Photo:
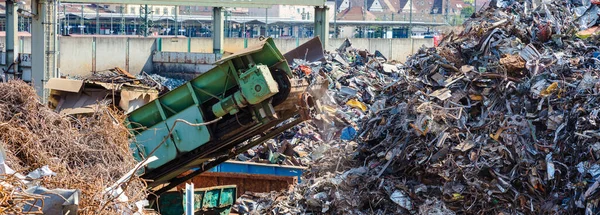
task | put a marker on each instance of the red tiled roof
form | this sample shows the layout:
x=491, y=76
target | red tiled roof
x=356, y=13
x=392, y=5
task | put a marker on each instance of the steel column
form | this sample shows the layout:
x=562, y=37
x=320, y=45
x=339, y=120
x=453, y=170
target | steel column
x=97, y=20
x=43, y=44
x=176, y=21
x=322, y=25
x=122, y=25
x=217, y=30
x=38, y=47
x=82, y=21
x=335, y=12
x=12, y=52
x=410, y=25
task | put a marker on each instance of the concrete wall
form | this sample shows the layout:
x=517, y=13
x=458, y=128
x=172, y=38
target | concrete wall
x=81, y=55
x=140, y=54
x=26, y=44
x=111, y=53
x=76, y=55
x=393, y=49
x=182, y=62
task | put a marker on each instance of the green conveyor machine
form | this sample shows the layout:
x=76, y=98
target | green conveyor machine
x=245, y=99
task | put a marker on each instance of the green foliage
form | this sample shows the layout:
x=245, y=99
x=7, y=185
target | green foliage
x=467, y=11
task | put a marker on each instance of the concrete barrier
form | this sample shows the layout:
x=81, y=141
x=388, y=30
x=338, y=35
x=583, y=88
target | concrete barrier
x=140, y=54
x=76, y=56
x=182, y=62
x=111, y=53
x=81, y=55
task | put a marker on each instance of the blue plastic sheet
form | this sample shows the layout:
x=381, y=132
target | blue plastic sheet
x=348, y=133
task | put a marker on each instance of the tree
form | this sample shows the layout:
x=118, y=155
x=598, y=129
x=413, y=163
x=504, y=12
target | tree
x=467, y=11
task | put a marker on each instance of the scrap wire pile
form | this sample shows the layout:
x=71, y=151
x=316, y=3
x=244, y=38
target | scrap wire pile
x=12, y=198
x=86, y=153
x=500, y=119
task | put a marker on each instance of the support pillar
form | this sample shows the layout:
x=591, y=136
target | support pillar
x=176, y=21
x=217, y=30
x=97, y=20
x=12, y=52
x=322, y=25
x=43, y=45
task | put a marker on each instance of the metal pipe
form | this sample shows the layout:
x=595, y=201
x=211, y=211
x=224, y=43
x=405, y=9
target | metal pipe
x=56, y=47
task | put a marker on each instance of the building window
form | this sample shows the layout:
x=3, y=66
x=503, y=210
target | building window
x=173, y=11
x=165, y=11
x=132, y=10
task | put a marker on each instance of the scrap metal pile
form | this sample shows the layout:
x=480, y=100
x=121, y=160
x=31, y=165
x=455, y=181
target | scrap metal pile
x=41, y=150
x=501, y=118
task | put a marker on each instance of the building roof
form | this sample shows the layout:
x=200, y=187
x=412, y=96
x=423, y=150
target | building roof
x=87, y=8
x=356, y=13
x=386, y=5
x=391, y=6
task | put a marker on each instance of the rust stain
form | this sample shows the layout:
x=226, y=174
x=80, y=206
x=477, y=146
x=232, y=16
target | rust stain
x=244, y=182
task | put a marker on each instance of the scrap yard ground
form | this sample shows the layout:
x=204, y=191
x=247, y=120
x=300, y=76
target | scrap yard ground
x=500, y=117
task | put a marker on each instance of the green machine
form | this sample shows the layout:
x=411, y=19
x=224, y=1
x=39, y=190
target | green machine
x=214, y=200
x=246, y=99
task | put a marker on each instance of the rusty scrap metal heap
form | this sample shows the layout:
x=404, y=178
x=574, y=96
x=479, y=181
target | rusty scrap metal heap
x=87, y=153
x=501, y=118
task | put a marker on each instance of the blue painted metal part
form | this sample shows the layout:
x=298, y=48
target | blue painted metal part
x=258, y=169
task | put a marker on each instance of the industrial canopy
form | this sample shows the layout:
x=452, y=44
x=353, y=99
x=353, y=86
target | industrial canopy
x=211, y=3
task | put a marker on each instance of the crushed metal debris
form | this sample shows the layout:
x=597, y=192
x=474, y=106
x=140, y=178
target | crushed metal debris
x=501, y=118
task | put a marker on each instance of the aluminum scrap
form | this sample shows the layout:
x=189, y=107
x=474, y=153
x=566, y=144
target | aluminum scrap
x=458, y=131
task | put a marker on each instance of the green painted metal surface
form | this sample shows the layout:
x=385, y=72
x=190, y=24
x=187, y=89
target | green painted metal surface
x=184, y=135
x=189, y=44
x=258, y=84
x=159, y=44
x=246, y=73
x=212, y=200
